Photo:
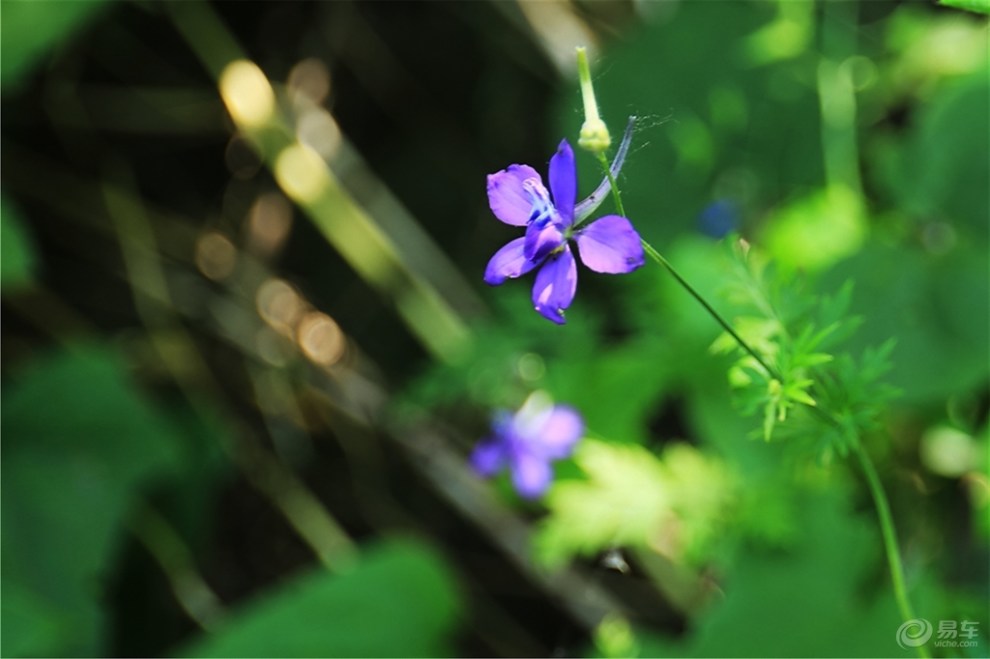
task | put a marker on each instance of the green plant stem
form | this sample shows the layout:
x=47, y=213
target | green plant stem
x=656, y=256
x=611, y=182
x=889, y=537
x=876, y=488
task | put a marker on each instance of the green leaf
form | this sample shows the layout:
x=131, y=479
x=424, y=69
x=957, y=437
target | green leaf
x=937, y=310
x=623, y=502
x=78, y=443
x=978, y=6
x=17, y=259
x=801, y=396
x=29, y=29
x=806, y=601
x=816, y=231
x=630, y=498
x=399, y=601
x=937, y=174
x=712, y=110
x=29, y=621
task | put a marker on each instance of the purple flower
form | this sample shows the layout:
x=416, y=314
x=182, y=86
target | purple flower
x=518, y=197
x=718, y=218
x=527, y=441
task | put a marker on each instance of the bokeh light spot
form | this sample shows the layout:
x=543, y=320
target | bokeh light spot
x=269, y=222
x=317, y=129
x=216, y=256
x=320, y=338
x=279, y=305
x=309, y=79
x=531, y=367
x=247, y=93
x=300, y=172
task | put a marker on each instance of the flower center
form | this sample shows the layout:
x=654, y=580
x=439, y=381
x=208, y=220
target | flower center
x=542, y=209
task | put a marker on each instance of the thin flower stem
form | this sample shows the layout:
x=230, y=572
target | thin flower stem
x=876, y=488
x=587, y=206
x=889, y=537
x=885, y=518
x=656, y=256
x=611, y=182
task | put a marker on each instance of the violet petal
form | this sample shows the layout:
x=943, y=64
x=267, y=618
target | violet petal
x=507, y=197
x=542, y=238
x=488, y=457
x=508, y=263
x=531, y=474
x=555, y=285
x=610, y=245
x=563, y=182
x=560, y=429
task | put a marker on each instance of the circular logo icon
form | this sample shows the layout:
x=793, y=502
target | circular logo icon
x=914, y=633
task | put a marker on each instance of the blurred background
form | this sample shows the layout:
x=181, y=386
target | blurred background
x=247, y=348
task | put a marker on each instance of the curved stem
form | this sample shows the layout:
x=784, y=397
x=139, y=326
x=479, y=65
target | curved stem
x=612, y=184
x=873, y=480
x=656, y=256
x=889, y=537
x=586, y=207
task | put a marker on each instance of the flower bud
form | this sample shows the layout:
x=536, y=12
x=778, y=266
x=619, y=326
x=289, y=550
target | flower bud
x=594, y=134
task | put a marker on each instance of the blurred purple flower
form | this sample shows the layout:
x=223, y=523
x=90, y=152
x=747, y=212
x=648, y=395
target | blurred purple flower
x=518, y=197
x=526, y=442
x=719, y=218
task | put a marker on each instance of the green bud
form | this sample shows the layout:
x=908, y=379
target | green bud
x=594, y=134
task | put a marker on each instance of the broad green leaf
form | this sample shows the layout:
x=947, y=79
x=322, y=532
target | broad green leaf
x=935, y=308
x=399, y=601
x=30, y=622
x=805, y=601
x=78, y=443
x=633, y=498
x=815, y=231
x=938, y=174
x=28, y=29
x=624, y=502
x=17, y=259
x=978, y=6
x=612, y=407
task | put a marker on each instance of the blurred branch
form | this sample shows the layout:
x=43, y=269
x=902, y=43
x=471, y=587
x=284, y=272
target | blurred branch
x=434, y=455
x=178, y=353
x=136, y=109
x=346, y=395
x=305, y=178
x=557, y=29
x=165, y=544
x=837, y=97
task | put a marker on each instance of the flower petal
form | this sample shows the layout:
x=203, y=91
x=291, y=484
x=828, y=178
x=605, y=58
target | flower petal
x=560, y=430
x=610, y=245
x=542, y=237
x=507, y=197
x=488, y=456
x=563, y=182
x=508, y=263
x=555, y=285
x=531, y=474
